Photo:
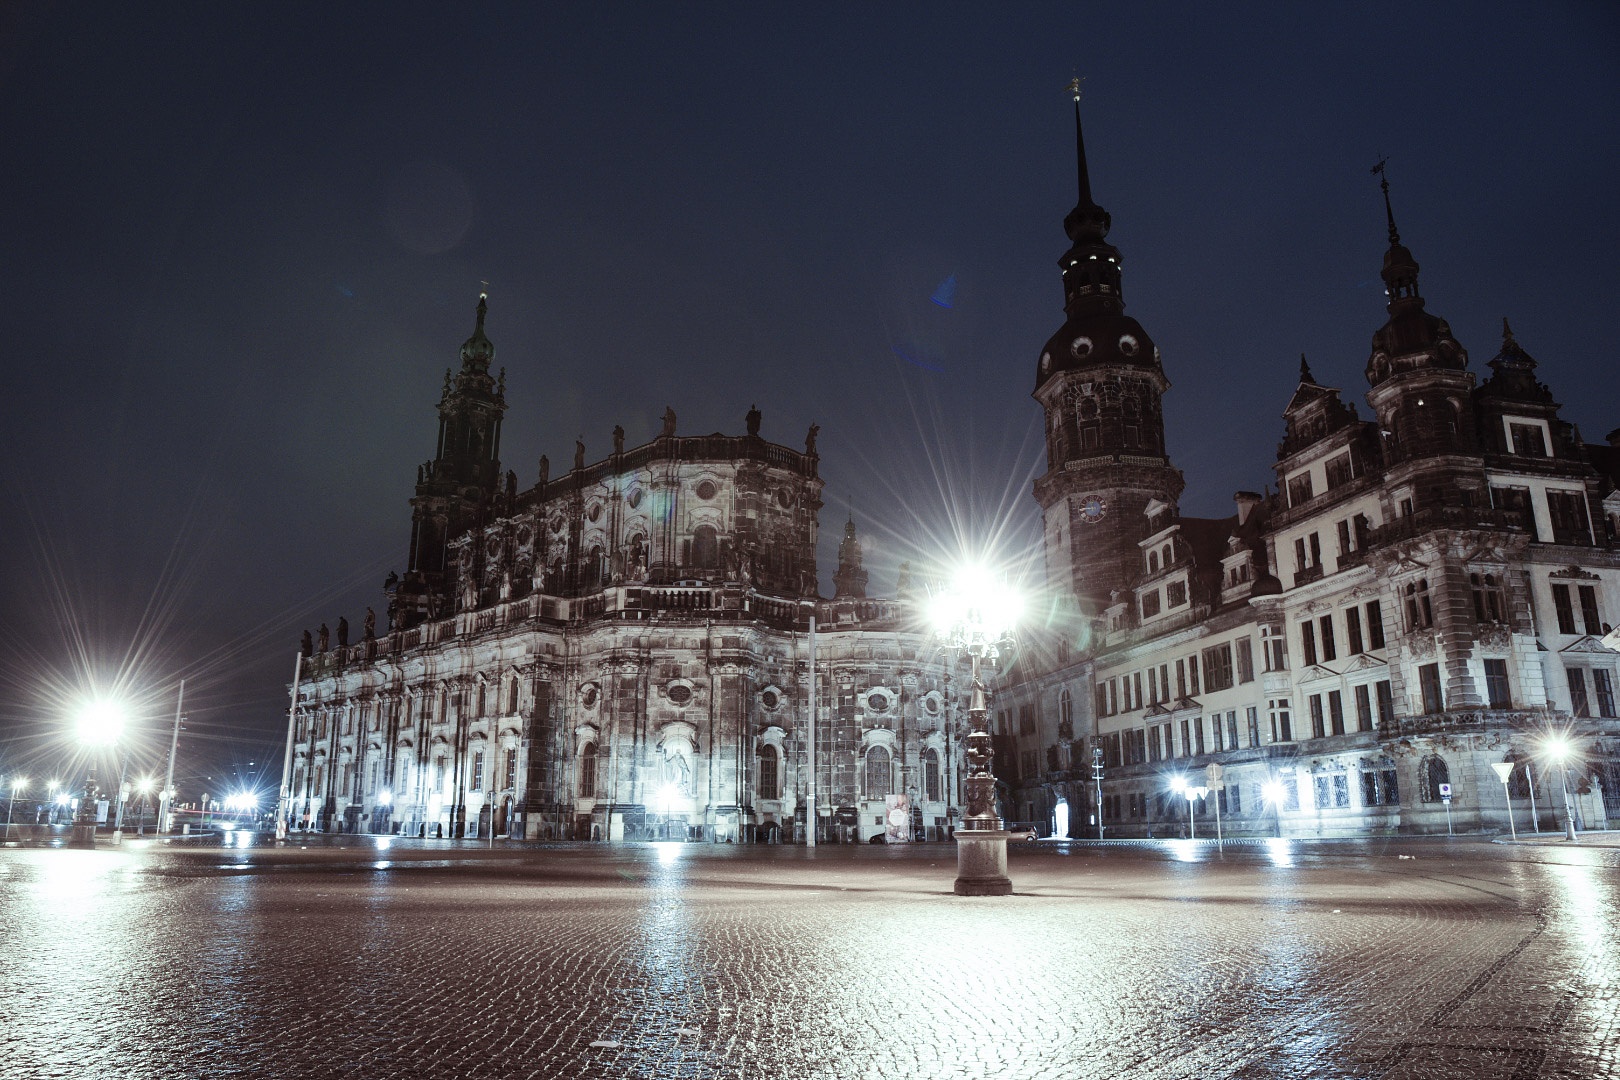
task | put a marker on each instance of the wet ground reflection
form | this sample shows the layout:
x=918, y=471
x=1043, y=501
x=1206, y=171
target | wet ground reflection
x=405, y=959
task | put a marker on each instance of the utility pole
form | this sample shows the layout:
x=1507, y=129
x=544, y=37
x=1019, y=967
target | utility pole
x=810, y=795
x=284, y=801
x=167, y=796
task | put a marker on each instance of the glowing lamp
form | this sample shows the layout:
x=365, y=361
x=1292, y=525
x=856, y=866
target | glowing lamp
x=100, y=723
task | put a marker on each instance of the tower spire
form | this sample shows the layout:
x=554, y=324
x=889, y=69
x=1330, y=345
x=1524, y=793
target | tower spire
x=1081, y=172
x=1389, y=213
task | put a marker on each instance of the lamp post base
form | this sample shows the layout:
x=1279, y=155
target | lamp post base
x=981, y=862
x=82, y=836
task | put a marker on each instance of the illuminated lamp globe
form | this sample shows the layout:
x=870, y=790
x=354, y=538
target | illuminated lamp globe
x=100, y=723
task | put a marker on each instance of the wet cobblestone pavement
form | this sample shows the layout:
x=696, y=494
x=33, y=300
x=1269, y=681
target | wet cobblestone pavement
x=1398, y=959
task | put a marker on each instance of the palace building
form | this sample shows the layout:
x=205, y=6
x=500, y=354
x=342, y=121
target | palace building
x=630, y=649
x=1431, y=590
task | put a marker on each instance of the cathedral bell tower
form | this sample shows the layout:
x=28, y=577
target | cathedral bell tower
x=455, y=489
x=1100, y=382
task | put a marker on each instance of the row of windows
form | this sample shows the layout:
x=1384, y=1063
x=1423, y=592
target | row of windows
x=1218, y=667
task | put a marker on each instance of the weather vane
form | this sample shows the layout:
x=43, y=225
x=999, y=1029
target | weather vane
x=485, y=291
x=1074, y=88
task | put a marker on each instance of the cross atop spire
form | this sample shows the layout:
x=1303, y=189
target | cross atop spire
x=1081, y=172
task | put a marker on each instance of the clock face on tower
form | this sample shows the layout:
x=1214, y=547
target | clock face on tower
x=1092, y=508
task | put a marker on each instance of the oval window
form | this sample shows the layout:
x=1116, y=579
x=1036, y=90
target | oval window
x=707, y=489
x=680, y=694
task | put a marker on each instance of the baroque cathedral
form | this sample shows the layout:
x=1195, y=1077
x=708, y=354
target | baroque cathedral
x=638, y=649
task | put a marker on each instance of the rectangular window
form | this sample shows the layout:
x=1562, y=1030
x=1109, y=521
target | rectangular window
x=478, y=770
x=1375, y=625
x=1245, y=659
x=1330, y=648
x=1150, y=604
x=1318, y=728
x=1578, y=704
x=1527, y=440
x=511, y=771
x=1386, y=703
x=1192, y=675
x=1307, y=642
x=1419, y=613
x=1153, y=685
x=1198, y=732
x=1429, y=681
x=1336, y=712
x=1338, y=471
x=1488, y=606
x=1175, y=594
x=1563, y=609
x=1496, y=684
x=1181, y=678
x=1364, y=715
x=1164, y=681
x=1352, y=630
x=1231, y=730
x=1282, y=724
x=1290, y=792
x=1220, y=734
x=1344, y=538
x=1102, y=699
x=1567, y=511
x=1603, y=688
x=1254, y=726
x=1274, y=647
x=1589, y=610
x=1218, y=668
x=1324, y=792
x=1341, y=789
x=1299, y=489
x=1136, y=686
x=1186, y=737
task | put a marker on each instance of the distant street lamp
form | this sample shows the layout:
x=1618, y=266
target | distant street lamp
x=1504, y=769
x=1273, y=792
x=144, y=785
x=1179, y=785
x=1560, y=751
x=18, y=783
x=976, y=616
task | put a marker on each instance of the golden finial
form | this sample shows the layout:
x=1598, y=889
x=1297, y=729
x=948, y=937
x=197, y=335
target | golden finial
x=1074, y=88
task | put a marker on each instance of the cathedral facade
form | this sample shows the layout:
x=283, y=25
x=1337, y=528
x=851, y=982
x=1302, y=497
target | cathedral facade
x=624, y=651
x=637, y=648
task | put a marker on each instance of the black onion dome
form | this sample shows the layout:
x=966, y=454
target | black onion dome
x=1097, y=340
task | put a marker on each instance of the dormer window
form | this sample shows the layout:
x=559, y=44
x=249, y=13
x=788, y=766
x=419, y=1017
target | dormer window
x=1528, y=440
x=1153, y=562
x=1299, y=489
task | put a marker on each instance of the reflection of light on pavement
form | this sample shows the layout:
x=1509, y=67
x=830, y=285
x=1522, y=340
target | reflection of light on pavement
x=79, y=876
x=1183, y=850
x=668, y=852
x=1590, y=915
x=384, y=843
x=1280, y=851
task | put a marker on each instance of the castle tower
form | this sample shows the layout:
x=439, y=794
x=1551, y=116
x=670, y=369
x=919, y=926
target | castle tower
x=1100, y=382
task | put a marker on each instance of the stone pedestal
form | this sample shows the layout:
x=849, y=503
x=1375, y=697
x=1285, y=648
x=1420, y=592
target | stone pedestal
x=981, y=862
x=82, y=836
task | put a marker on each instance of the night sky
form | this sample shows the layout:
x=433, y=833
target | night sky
x=243, y=242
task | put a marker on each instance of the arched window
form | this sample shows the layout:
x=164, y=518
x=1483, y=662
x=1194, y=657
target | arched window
x=931, y=784
x=879, y=775
x=1432, y=772
x=769, y=777
x=705, y=547
x=587, y=772
x=1153, y=562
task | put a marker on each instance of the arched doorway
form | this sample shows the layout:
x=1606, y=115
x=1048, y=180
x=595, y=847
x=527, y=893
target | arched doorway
x=1060, y=820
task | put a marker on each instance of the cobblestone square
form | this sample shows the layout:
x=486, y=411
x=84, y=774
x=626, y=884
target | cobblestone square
x=1387, y=959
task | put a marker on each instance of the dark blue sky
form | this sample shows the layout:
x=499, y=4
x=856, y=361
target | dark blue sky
x=243, y=242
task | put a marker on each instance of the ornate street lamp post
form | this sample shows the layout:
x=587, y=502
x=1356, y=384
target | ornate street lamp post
x=976, y=616
x=1504, y=771
x=1560, y=751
